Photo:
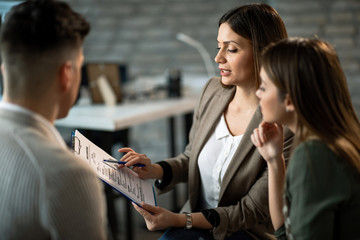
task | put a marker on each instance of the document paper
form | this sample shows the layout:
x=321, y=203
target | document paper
x=124, y=180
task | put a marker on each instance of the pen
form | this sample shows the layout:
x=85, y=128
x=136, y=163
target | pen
x=122, y=162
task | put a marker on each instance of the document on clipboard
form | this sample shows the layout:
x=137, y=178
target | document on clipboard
x=124, y=180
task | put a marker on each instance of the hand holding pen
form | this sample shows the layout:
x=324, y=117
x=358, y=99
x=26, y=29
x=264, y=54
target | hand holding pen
x=149, y=171
x=123, y=163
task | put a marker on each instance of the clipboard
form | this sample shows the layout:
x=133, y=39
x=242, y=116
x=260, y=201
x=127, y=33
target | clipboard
x=123, y=180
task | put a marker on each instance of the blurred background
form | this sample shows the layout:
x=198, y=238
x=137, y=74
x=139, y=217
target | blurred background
x=143, y=33
x=148, y=39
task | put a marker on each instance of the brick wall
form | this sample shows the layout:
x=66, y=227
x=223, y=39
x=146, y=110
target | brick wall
x=336, y=21
x=141, y=33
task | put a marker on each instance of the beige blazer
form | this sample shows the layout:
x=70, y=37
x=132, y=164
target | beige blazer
x=243, y=200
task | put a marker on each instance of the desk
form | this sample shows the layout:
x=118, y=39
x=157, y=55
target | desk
x=112, y=119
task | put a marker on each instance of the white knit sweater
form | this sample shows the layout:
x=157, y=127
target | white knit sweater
x=45, y=191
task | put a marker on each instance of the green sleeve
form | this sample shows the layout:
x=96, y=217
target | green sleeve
x=280, y=233
x=315, y=187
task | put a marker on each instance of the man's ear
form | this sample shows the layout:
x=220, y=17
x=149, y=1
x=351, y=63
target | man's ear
x=289, y=106
x=66, y=76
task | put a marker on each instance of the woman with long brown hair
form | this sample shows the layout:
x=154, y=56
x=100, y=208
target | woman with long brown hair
x=304, y=87
x=226, y=176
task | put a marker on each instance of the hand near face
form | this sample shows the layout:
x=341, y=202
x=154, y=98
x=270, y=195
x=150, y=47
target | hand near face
x=157, y=218
x=269, y=140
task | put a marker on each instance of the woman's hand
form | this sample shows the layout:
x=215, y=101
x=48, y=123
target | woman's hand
x=149, y=171
x=269, y=140
x=158, y=218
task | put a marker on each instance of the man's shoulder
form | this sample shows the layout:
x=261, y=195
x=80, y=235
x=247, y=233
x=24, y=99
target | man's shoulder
x=45, y=154
x=55, y=159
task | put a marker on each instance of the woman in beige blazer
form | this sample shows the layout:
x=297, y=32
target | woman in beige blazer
x=226, y=175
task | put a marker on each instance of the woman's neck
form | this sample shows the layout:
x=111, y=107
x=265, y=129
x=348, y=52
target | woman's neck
x=245, y=98
x=240, y=110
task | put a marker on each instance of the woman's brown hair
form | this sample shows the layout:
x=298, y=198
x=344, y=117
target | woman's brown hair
x=309, y=71
x=260, y=24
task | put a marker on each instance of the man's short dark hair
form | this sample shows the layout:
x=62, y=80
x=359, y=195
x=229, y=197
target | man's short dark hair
x=37, y=26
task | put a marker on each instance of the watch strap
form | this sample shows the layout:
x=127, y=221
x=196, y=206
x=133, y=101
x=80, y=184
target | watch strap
x=188, y=224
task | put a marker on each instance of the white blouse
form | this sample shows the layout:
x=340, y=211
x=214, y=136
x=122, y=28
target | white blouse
x=213, y=162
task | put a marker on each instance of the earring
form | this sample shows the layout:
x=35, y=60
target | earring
x=287, y=110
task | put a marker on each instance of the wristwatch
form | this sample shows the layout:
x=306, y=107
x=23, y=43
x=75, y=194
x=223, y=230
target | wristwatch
x=188, y=224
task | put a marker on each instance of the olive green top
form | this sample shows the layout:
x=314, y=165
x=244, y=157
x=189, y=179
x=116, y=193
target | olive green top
x=323, y=195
